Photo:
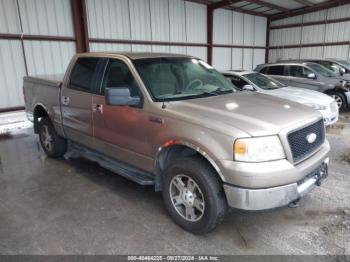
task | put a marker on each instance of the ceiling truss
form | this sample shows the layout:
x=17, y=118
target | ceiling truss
x=273, y=11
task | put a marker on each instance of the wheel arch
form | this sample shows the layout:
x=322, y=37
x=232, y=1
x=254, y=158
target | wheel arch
x=39, y=111
x=337, y=90
x=173, y=149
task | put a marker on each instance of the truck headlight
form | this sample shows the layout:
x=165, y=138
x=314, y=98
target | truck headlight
x=316, y=106
x=258, y=149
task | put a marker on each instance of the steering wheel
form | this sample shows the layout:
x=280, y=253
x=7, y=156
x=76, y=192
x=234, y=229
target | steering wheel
x=200, y=83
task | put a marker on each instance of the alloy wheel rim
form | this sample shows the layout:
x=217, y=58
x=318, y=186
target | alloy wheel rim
x=338, y=100
x=46, y=138
x=187, y=198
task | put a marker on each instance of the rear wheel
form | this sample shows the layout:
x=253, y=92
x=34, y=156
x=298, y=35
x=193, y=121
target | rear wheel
x=193, y=195
x=52, y=144
x=340, y=99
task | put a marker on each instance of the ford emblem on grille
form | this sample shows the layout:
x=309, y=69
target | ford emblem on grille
x=310, y=138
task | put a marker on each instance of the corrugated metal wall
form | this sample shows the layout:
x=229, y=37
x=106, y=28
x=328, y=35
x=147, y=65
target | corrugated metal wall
x=181, y=23
x=149, y=20
x=233, y=28
x=311, y=34
x=32, y=17
x=11, y=72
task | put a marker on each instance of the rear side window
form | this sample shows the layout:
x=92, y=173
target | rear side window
x=264, y=70
x=118, y=75
x=299, y=71
x=275, y=70
x=83, y=73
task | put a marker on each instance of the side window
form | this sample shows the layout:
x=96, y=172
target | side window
x=237, y=81
x=299, y=71
x=264, y=70
x=118, y=75
x=82, y=73
x=275, y=70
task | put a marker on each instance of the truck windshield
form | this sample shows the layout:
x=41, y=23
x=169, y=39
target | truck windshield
x=177, y=78
x=321, y=70
x=263, y=82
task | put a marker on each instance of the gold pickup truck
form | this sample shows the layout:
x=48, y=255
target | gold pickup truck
x=175, y=123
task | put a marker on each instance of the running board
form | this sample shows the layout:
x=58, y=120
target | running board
x=140, y=177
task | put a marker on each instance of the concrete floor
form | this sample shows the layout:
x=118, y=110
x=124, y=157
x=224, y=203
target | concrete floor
x=54, y=206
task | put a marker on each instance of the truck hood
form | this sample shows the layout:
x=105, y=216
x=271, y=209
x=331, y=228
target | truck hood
x=253, y=113
x=301, y=95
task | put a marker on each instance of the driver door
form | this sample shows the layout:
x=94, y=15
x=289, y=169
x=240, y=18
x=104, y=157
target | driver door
x=120, y=131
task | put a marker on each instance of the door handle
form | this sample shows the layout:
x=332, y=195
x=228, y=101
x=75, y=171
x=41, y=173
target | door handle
x=97, y=108
x=65, y=100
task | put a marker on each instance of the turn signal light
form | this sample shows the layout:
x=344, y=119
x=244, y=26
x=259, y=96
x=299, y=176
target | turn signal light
x=240, y=147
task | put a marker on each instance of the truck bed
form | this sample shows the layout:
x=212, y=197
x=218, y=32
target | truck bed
x=51, y=80
x=44, y=91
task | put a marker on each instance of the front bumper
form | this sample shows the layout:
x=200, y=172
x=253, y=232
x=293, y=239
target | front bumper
x=274, y=197
x=329, y=117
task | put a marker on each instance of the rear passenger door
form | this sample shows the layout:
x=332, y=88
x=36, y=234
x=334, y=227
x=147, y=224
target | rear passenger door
x=298, y=75
x=278, y=72
x=76, y=100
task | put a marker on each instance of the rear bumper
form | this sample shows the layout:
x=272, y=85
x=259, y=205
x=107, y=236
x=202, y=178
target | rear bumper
x=274, y=197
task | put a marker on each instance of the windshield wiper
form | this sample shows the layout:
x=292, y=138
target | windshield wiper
x=218, y=92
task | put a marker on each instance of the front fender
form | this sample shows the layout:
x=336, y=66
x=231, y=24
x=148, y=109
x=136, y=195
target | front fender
x=190, y=144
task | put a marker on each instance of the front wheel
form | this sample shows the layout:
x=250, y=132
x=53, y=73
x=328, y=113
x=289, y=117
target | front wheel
x=340, y=99
x=193, y=195
x=52, y=144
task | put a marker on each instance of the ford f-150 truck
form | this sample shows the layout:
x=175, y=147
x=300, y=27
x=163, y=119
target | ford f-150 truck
x=174, y=122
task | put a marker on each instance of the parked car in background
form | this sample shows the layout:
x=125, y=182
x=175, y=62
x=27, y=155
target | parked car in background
x=331, y=64
x=253, y=81
x=310, y=76
x=344, y=63
x=175, y=123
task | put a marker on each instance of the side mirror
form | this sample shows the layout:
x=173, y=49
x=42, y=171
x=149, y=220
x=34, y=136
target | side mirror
x=342, y=71
x=120, y=97
x=248, y=88
x=311, y=76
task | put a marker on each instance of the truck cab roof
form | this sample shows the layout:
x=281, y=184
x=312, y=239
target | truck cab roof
x=134, y=55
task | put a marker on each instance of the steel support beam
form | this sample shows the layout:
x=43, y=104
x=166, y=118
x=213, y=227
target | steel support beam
x=304, y=2
x=267, y=50
x=314, y=8
x=310, y=45
x=80, y=25
x=11, y=109
x=269, y=5
x=322, y=22
x=144, y=42
x=36, y=37
x=210, y=23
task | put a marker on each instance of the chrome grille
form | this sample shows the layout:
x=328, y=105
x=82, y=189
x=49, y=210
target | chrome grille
x=298, y=143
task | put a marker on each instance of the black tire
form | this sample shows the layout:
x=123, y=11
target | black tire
x=206, y=179
x=338, y=96
x=58, y=145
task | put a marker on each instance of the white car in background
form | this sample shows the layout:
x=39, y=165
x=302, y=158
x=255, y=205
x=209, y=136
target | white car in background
x=253, y=81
